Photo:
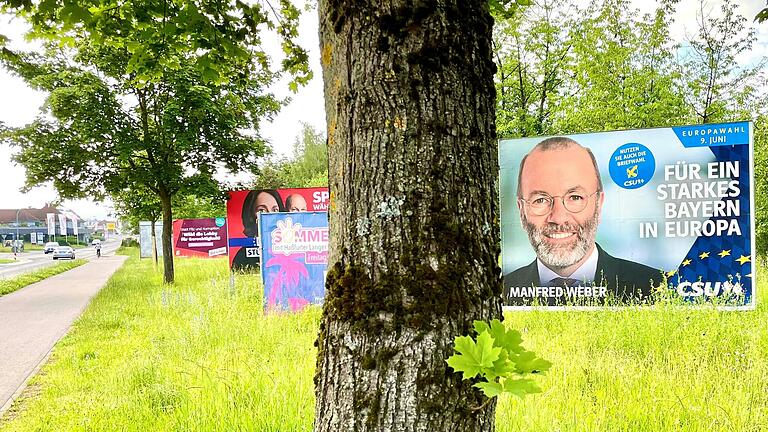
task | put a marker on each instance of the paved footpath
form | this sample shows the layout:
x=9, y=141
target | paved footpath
x=34, y=318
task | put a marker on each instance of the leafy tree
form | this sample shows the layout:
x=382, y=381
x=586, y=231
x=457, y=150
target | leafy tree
x=562, y=69
x=623, y=69
x=532, y=51
x=761, y=183
x=718, y=88
x=159, y=94
x=722, y=89
x=196, y=207
x=271, y=175
x=762, y=16
x=414, y=239
x=308, y=167
x=135, y=204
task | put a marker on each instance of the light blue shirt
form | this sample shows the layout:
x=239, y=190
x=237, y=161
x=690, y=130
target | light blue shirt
x=585, y=273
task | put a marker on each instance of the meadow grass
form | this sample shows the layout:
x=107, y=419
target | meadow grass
x=12, y=284
x=199, y=356
x=7, y=260
x=194, y=356
x=665, y=368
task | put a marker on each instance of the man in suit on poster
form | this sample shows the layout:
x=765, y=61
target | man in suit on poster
x=560, y=197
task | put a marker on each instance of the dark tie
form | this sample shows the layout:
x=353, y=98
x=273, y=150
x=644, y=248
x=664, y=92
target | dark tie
x=563, y=282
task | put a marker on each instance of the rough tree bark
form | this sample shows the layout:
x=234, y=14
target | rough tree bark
x=154, y=242
x=165, y=203
x=414, y=216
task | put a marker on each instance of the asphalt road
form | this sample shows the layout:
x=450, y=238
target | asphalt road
x=34, y=318
x=34, y=260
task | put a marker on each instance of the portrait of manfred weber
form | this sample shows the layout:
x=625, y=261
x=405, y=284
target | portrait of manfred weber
x=560, y=196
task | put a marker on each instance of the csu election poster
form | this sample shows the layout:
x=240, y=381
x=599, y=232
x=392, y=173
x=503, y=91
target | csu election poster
x=294, y=259
x=629, y=217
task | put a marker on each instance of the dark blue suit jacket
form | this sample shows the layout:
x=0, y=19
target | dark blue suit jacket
x=625, y=281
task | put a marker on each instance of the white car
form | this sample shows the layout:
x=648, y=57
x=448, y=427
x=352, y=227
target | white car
x=95, y=242
x=63, y=252
x=50, y=246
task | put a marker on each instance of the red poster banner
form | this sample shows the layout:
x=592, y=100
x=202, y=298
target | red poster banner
x=205, y=238
x=243, y=208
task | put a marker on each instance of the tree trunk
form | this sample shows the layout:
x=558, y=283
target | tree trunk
x=414, y=247
x=165, y=203
x=154, y=242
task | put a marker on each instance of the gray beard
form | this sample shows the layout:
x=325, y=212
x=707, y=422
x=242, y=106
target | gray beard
x=561, y=256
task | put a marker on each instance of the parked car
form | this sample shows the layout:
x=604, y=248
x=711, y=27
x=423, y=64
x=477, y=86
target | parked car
x=64, y=252
x=50, y=246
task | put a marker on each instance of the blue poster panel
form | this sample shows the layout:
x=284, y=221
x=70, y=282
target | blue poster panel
x=294, y=258
x=629, y=217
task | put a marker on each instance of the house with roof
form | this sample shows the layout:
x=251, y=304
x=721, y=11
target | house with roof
x=26, y=221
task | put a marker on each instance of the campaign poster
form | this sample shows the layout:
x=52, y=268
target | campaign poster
x=145, y=239
x=243, y=208
x=204, y=238
x=294, y=259
x=629, y=217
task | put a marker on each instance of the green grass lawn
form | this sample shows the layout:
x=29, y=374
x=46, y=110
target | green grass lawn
x=201, y=357
x=12, y=284
x=7, y=260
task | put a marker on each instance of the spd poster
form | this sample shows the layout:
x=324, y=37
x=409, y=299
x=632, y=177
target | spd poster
x=629, y=217
x=243, y=208
x=294, y=259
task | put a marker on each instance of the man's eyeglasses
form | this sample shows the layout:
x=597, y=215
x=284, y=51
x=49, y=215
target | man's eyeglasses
x=574, y=202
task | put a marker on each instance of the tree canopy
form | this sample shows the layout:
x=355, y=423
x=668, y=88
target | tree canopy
x=564, y=69
x=159, y=94
x=307, y=166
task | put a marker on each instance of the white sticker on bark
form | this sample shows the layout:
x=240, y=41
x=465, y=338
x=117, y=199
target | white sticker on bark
x=486, y=229
x=363, y=226
x=390, y=207
x=434, y=263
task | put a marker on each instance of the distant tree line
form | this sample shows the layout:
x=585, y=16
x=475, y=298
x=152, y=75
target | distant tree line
x=307, y=166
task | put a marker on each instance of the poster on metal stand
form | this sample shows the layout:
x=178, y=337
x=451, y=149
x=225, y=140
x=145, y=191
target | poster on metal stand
x=145, y=239
x=630, y=217
x=294, y=259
